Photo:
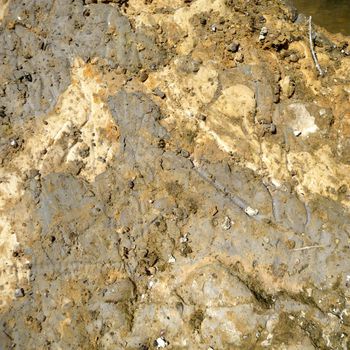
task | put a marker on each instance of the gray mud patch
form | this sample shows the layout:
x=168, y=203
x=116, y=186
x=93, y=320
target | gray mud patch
x=39, y=41
x=188, y=238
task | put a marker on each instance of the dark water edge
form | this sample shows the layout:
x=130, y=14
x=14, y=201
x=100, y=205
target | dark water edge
x=334, y=15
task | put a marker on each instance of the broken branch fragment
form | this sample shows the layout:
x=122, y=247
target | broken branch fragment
x=313, y=53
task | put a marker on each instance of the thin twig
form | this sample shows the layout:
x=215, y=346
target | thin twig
x=309, y=247
x=8, y=335
x=313, y=53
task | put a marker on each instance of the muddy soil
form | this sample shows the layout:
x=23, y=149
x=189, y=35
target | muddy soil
x=173, y=175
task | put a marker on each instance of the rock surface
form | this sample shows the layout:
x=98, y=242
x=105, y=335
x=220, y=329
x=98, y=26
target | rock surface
x=159, y=190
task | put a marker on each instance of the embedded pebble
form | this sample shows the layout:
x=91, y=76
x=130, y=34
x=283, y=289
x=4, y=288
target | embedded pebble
x=185, y=153
x=159, y=93
x=14, y=143
x=233, y=47
x=171, y=259
x=161, y=343
x=184, y=239
x=19, y=293
x=226, y=225
x=143, y=77
x=251, y=212
x=263, y=33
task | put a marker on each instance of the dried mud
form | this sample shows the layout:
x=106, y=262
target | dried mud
x=173, y=175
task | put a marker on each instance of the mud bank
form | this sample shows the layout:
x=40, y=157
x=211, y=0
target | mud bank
x=173, y=175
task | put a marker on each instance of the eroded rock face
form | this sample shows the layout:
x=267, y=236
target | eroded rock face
x=160, y=189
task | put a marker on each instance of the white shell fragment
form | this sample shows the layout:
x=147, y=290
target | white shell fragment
x=226, y=225
x=161, y=343
x=184, y=238
x=13, y=143
x=263, y=33
x=171, y=259
x=251, y=212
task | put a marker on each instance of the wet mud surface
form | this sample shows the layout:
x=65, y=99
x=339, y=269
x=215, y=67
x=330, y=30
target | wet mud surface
x=172, y=176
x=331, y=14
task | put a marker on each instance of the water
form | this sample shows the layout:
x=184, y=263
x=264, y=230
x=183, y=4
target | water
x=334, y=15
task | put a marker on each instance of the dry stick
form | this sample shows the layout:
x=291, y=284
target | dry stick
x=312, y=49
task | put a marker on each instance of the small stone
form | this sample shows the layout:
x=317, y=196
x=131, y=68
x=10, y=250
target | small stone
x=158, y=93
x=213, y=28
x=184, y=153
x=161, y=343
x=171, y=259
x=263, y=33
x=226, y=225
x=202, y=117
x=297, y=133
x=234, y=47
x=19, y=293
x=266, y=240
x=143, y=76
x=251, y=212
x=293, y=58
x=184, y=239
x=14, y=143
